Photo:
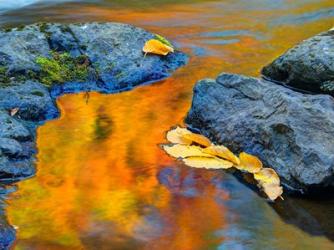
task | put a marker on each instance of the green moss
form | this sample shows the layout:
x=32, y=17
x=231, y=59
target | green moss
x=62, y=68
x=43, y=28
x=8, y=29
x=4, y=78
x=20, y=27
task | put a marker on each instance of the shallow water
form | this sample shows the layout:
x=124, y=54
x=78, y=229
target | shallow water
x=104, y=183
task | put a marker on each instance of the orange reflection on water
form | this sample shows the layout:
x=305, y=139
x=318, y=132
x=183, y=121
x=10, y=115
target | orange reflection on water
x=104, y=183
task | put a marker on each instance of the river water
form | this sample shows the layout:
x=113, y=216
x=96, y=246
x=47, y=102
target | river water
x=104, y=183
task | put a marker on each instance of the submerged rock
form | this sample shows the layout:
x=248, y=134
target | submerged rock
x=307, y=66
x=290, y=131
x=42, y=61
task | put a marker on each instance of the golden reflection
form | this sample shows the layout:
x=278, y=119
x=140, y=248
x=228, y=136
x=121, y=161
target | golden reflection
x=102, y=182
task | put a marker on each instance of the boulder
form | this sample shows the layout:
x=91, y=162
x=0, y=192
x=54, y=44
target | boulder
x=17, y=148
x=7, y=232
x=111, y=52
x=32, y=99
x=289, y=131
x=39, y=62
x=308, y=66
x=19, y=49
x=115, y=51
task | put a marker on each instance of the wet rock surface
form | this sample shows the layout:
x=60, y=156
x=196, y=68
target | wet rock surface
x=42, y=61
x=308, y=66
x=290, y=131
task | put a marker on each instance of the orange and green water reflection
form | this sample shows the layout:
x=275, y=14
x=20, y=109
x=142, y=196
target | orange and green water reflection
x=104, y=183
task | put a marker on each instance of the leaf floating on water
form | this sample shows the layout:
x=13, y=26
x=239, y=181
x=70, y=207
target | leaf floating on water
x=273, y=191
x=198, y=139
x=163, y=40
x=222, y=152
x=207, y=162
x=270, y=183
x=183, y=151
x=177, y=136
x=249, y=163
x=154, y=46
x=14, y=111
x=267, y=176
x=197, y=151
x=186, y=137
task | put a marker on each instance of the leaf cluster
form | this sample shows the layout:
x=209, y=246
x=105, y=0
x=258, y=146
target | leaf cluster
x=197, y=151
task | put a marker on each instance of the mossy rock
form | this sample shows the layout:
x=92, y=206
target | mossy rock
x=61, y=68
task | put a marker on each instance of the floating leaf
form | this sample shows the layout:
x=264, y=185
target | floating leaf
x=270, y=182
x=267, y=176
x=186, y=137
x=249, y=163
x=206, y=162
x=199, y=139
x=177, y=136
x=273, y=191
x=207, y=155
x=154, y=46
x=14, y=111
x=223, y=152
x=163, y=40
x=183, y=151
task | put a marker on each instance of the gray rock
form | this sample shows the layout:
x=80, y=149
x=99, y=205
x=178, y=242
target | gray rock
x=20, y=48
x=12, y=171
x=10, y=147
x=115, y=51
x=16, y=149
x=112, y=53
x=7, y=232
x=32, y=99
x=307, y=66
x=61, y=38
x=12, y=128
x=290, y=131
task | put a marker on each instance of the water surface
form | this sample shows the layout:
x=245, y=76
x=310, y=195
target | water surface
x=104, y=183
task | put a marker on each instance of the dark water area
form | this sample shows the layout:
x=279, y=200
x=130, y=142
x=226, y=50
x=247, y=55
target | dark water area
x=102, y=180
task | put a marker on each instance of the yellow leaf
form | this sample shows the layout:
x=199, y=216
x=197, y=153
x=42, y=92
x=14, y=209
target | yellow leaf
x=267, y=176
x=186, y=137
x=183, y=151
x=208, y=163
x=197, y=138
x=273, y=191
x=154, y=46
x=177, y=136
x=223, y=152
x=204, y=154
x=249, y=163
